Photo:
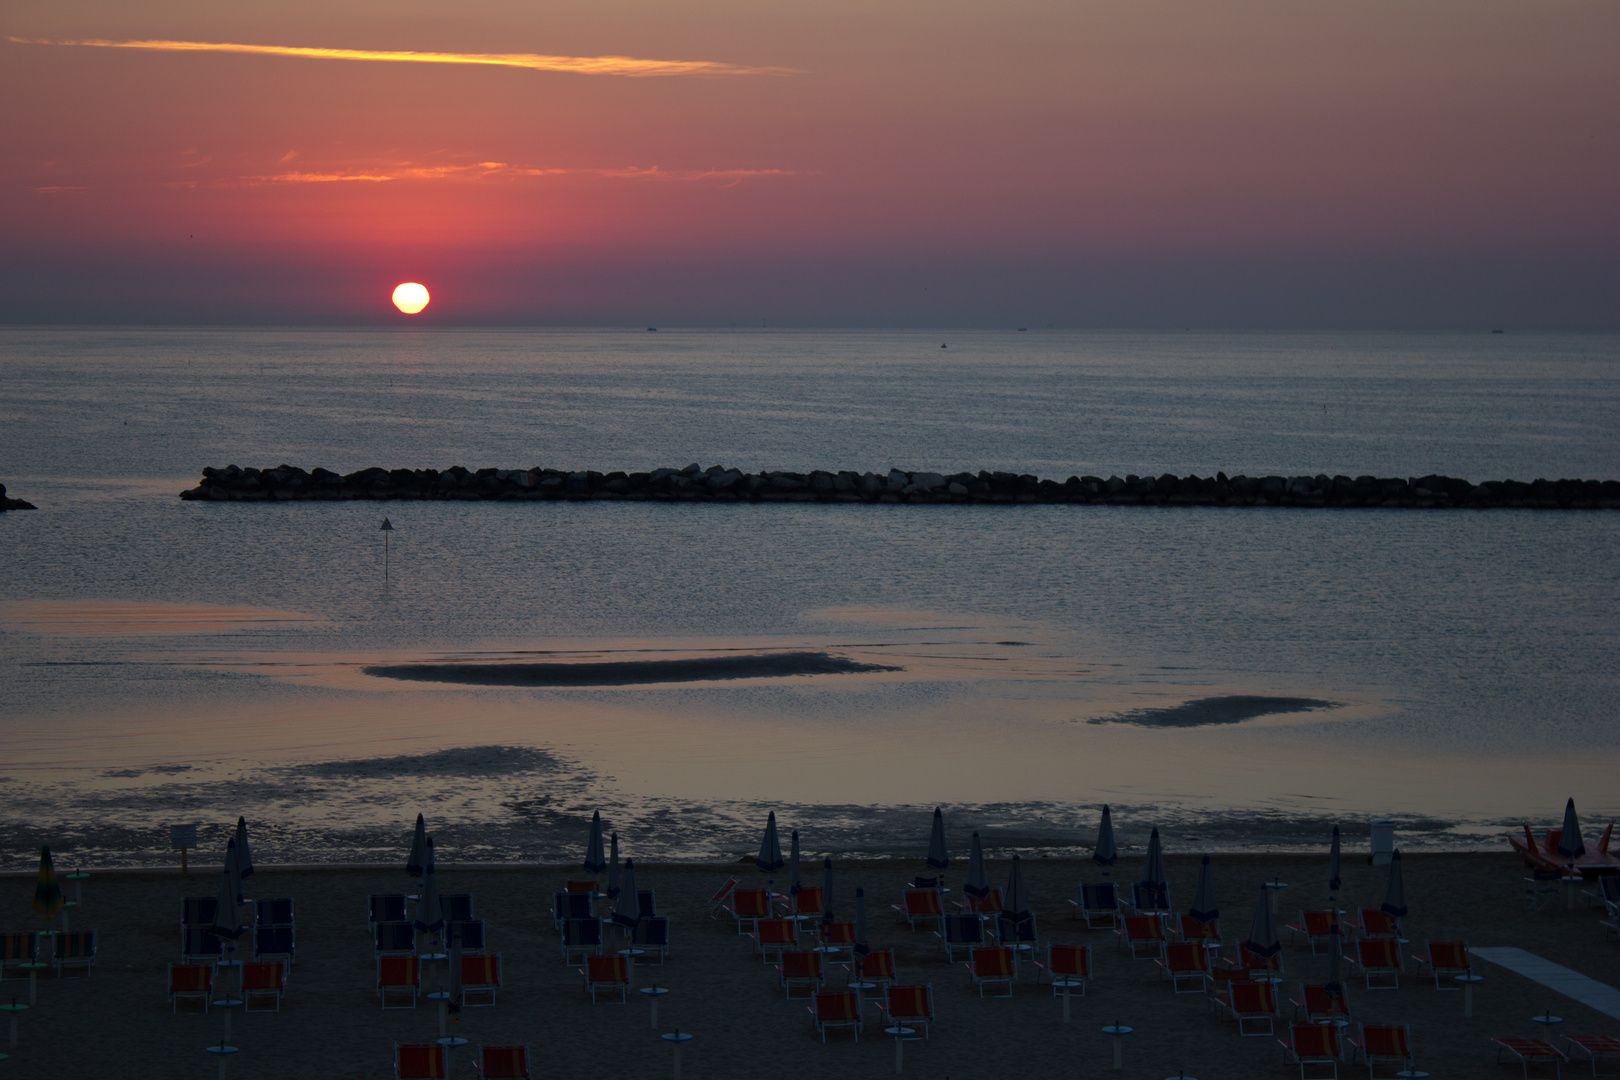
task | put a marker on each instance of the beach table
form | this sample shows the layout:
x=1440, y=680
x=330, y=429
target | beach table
x=13, y=1011
x=445, y=1039
x=1273, y=891
x=677, y=1039
x=1468, y=982
x=1117, y=1032
x=222, y=1053
x=900, y=1033
x=33, y=969
x=652, y=994
x=1572, y=890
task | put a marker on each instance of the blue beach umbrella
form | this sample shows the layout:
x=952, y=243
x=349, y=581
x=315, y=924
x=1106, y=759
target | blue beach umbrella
x=861, y=946
x=1015, y=901
x=227, y=916
x=1153, y=875
x=1105, y=853
x=1262, y=939
x=613, y=868
x=233, y=869
x=244, y=854
x=1570, y=845
x=1335, y=983
x=1204, y=908
x=937, y=856
x=627, y=911
x=429, y=909
x=1395, y=893
x=978, y=882
x=1333, y=864
x=416, y=861
x=770, y=849
x=595, y=858
x=826, y=889
x=793, y=865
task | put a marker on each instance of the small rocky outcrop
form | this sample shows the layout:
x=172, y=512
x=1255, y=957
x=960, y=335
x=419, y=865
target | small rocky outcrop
x=14, y=504
x=718, y=483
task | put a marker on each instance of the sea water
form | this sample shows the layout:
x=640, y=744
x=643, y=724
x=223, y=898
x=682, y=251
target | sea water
x=173, y=662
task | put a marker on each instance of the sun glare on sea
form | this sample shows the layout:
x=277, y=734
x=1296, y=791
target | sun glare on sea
x=410, y=297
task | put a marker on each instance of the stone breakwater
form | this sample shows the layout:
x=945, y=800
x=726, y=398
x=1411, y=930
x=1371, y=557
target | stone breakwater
x=14, y=504
x=720, y=484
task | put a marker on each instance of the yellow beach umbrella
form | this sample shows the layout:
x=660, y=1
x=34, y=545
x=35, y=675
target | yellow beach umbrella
x=47, y=893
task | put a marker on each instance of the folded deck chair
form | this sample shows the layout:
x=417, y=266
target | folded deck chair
x=800, y=969
x=836, y=1009
x=274, y=943
x=1446, y=959
x=1145, y=899
x=908, y=1006
x=1186, y=965
x=398, y=980
x=1098, y=906
x=1385, y=1044
x=262, y=985
x=1311, y=1045
x=1318, y=1005
x=1258, y=966
x=1542, y=887
x=836, y=935
x=380, y=908
x=502, y=1063
x=1529, y=1052
x=808, y=903
x=876, y=966
x=988, y=905
x=651, y=936
x=74, y=950
x=720, y=901
x=480, y=979
x=1314, y=926
x=1380, y=959
x=1594, y=1048
x=570, y=905
x=192, y=983
x=421, y=1061
x=393, y=939
x=1143, y=935
x=277, y=912
x=198, y=910
x=1068, y=966
x=919, y=904
x=959, y=933
x=581, y=938
x=198, y=945
x=1191, y=929
x=748, y=906
x=458, y=907
x=1250, y=1004
x=608, y=973
x=990, y=966
x=772, y=936
x=1373, y=923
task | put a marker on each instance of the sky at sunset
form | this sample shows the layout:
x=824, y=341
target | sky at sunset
x=1068, y=163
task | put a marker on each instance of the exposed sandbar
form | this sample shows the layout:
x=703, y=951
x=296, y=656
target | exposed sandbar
x=630, y=672
x=1228, y=709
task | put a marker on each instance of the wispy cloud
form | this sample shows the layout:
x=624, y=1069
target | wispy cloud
x=630, y=66
x=729, y=177
x=57, y=189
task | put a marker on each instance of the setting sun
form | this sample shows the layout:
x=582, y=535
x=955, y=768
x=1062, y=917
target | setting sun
x=411, y=297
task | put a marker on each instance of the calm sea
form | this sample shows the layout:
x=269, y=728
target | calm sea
x=168, y=662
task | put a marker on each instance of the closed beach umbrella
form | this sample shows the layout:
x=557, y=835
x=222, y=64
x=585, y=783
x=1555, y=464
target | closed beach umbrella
x=1335, y=982
x=1262, y=939
x=455, y=966
x=627, y=909
x=244, y=854
x=1569, y=843
x=227, y=916
x=1333, y=863
x=233, y=869
x=978, y=882
x=1153, y=868
x=416, y=861
x=1204, y=908
x=1105, y=854
x=1395, y=894
x=793, y=865
x=1015, y=902
x=613, y=867
x=595, y=860
x=48, y=898
x=937, y=856
x=826, y=888
x=429, y=910
x=861, y=947
x=770, y=849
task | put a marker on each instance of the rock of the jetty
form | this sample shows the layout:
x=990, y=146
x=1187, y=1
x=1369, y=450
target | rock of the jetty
x=14, y=504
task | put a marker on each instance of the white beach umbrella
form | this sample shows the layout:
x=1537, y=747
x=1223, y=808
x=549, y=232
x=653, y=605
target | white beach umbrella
x=613, y=867
x=1015, y=902
x=595, y=860
x=627, y=909
x=1262, y=939
x=1204, y=908
x=1333, y=865
x=429, y=909
x=826, y=888
x=244, y=854
x=793, y=865
x=1395, y=892
x=416, y=860
x=1570, y=845
x=233, y=869
x=978, y=882
x=1105, y=853
x=938, y=858
x=1153, y=874
x=770, y=849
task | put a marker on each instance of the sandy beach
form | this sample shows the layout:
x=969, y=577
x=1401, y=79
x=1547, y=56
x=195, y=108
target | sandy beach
x=118, y=1022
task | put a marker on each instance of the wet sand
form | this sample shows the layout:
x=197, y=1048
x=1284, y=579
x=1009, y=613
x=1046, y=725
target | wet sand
x=118, y=1022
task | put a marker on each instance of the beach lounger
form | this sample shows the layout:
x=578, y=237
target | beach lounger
x=808, y=903
x=772, y=936
x=1373, y=923
x=1318, y=1006
x=720, y=901
x=1250, y=1004
x=581, y=938
x=1385, y=1044
x=959, y=933
x=566, y=905
x=651, y=936
x=608, y=973
x=274, y=943
x=480, y=979
x=198, y=910
x=987, y=906
x=836, y=935
x=1149, y=899
x=18, y=949
x=380, y=908
x=1444, y=959
x=1314, y=927
x=198, y=945
x=458, y=907
x=192, y=983
x=1019, y=935
x=502, y=1063
x=920, y=904
x=393, y=939
x=1143, y=935
x=1068, y=966
x=1191, y=929
x=836, y=1009
x=876, y=966
x=421, y=1061
x=1380, y=959
x=1594, y=1048
x=908, y=1006
x=1529, y=1052
x=1606, y=890
x=262, y=986
x=73, y=950
x=277, y=912
x=1542, y=888
x=1098, y=906
x=1311, y=1045
x=920, y=882
x=646, y=904
x=592, y=887
x=748, y=906
x=990, y=966
x=1186, y=965
x=472, y=935
x=799, y=968
x=399, y=978
x=1257, y=966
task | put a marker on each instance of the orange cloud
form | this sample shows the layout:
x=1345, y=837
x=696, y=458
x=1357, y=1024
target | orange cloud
x=500, y=168
x=579, y=65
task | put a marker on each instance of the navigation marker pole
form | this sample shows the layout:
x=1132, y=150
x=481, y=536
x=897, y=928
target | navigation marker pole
x=386, y=527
